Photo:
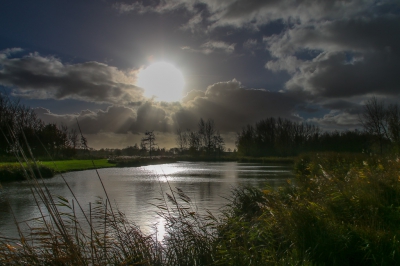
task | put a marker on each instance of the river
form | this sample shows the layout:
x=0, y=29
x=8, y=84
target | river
x=135, y=190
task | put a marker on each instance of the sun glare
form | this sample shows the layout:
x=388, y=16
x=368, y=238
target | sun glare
x=162, y=81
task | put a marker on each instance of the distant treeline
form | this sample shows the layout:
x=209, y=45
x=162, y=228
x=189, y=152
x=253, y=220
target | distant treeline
x=19, y=125
x=283, y=137
x=205, y=141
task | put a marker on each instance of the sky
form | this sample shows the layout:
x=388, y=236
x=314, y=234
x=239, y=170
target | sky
x=233, y=61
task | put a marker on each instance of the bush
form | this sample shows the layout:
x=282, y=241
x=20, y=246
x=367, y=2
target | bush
x=15, y=172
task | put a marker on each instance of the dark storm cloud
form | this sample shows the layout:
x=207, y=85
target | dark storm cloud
x=345, y=66
x=232, y=106
x=253, y=13
x=353, y=57
x=362, y=34
x=330, y=75
x=35, y=76
x=347, y=106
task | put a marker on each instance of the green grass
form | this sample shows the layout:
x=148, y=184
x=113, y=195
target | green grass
x=78, y=165
x=63, y=166
x=14, y=172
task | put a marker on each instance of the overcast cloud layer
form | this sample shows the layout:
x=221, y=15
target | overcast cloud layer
x=243, y=60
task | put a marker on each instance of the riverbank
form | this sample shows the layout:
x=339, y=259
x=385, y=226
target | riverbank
x=124, y=161
x=12, y=171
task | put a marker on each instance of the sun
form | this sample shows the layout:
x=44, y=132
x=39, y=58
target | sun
x=162, y=81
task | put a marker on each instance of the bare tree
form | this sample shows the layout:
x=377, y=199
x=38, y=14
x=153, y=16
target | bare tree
x=194, y=142
x=73, y=138
x=374, y=120
x=182, y=139
x=207, y=132
x=149, y=140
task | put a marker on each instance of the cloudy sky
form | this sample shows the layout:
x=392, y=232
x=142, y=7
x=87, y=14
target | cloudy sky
x=124, y=67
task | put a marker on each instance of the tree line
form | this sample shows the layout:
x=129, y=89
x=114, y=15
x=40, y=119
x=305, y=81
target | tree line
x=268, y=137
x=283, y=137
x=206, y=140
x=383, y=124
x=20, y=127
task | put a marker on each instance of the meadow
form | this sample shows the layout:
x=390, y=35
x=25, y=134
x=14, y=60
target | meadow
x=341, y=209
x=13, y=171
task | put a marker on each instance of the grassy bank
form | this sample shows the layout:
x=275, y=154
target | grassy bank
x=133, y=161
x=343, y=210
x=10, y=171
x=14, y=172
x=78, y=165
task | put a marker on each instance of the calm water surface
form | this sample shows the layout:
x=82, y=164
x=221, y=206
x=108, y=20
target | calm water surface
x=135, y=189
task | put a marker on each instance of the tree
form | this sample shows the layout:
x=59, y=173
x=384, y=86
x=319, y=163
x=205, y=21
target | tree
x=194, y=142
x=374, y=120
x=276, y=137
x=218, y=144
x=206, y=132
x=131, y=150
x=246, y=141
x=149, y=140
x=17, y=124
x=206, y=139
x=53, y=139
x=73, y=138
x=182, y=139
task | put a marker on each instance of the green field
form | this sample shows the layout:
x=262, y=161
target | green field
x=77, y=165
x=70, y=165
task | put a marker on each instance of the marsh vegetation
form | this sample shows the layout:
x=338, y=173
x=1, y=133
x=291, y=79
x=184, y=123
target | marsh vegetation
x=343, y=210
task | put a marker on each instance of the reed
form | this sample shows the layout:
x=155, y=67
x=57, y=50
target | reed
x=344, y=209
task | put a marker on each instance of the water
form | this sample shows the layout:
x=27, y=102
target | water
x=135, y=190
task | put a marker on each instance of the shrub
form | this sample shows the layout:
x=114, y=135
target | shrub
x=16, y=172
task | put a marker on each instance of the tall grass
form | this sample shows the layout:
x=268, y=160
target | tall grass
x=341, y=209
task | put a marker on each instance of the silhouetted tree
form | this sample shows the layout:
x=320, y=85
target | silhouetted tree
x=131, y=150
x=205, y=140
x=182, y=139
x=276, y=137
x=149, y=141
x=194, y=143
x=374, y=120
